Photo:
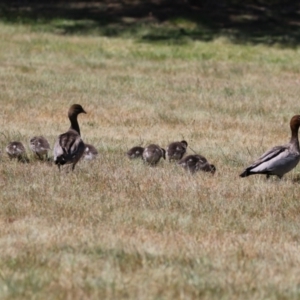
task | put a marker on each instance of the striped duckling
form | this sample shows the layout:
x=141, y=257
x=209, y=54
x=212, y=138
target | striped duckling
x=40, y=146
x=196, y=162
x=16, y=150
x=135, y=152
x=280, y=159
x=153, y=153
x=176, y=150
x=69, y=146
x=90, y=152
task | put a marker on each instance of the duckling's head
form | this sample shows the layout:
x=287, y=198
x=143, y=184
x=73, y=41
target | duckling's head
x=75, y=110
x=184, y=143
x=213, y=169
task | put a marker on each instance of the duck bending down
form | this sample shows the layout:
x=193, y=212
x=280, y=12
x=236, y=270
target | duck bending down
x=176, y=150
x=280, y=159
x=69, y=146
x=90, y=152
x=40, y=146
x=135, y=152
x=153, y=153
x=196, y=162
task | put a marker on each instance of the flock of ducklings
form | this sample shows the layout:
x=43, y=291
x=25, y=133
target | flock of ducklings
x=175, y=152
x=277, y=161
x=40, y=146
x=151, y=154
x=69, y=148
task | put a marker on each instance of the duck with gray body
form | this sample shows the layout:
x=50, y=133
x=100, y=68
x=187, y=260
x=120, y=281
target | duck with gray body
x=40, y=146
x=280, y=159
x=69, y=146
x=153, y=153
x=176, y=150
x=16, y=150
x=135, y=152
x=195, y=163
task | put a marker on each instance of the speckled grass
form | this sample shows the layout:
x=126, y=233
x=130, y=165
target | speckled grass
x=118, y=229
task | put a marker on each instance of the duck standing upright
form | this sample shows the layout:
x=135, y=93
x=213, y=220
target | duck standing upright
x=69, y=146
x=280, y=159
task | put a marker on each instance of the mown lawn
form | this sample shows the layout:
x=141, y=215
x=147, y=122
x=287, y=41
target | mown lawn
x=118, y=229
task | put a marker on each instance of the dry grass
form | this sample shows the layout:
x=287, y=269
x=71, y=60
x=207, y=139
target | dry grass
x=117, y=229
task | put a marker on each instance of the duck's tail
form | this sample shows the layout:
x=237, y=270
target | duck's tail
x=245, y=173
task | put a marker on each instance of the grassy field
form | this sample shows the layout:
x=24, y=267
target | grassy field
x=117, y=229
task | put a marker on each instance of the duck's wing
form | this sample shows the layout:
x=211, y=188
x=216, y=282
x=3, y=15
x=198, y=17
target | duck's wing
x=135, y=152
x=269, y=155
x=189, y=161
x=68, y=146
x=265, y=163
x=91, y=149
x=39, y=143
x=176, y=147
x=201, y=159
x=150, y=151
x=90, y=152
x=43, y=143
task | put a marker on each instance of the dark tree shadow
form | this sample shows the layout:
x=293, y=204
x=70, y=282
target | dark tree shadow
x=250, y=21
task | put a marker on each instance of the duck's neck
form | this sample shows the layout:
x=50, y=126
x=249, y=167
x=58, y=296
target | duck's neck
x=294, y=137
x=74, y=123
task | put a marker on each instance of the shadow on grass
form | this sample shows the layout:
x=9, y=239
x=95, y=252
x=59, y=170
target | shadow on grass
x=179, y=21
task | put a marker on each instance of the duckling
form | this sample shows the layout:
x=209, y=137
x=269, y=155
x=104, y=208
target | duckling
x=40, y=146
x=16, y=150
x=69, y=147
x=176, y=150
x=153, y=153
x=196, y=162
x=90, y=152
x=135, y=152
x=279, y=160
